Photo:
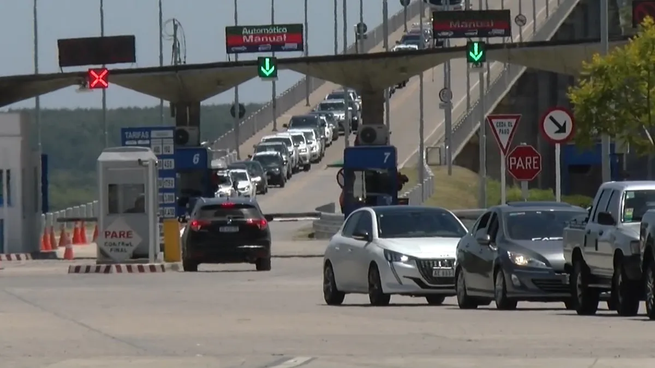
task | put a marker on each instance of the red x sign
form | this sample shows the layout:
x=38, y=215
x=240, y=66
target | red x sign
x=98, y=78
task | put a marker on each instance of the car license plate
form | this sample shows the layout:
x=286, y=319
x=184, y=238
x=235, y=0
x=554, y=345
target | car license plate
x=228, y=229
x=443, y=272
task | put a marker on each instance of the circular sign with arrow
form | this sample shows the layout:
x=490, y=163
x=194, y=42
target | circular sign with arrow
x=242, y=111
x=557, y=125
x=445, y=95
x=520, y=20
x=340, y=178
x=405, y=2
x=361, y=28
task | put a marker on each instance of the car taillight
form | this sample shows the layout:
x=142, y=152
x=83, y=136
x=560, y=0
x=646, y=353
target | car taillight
x=260, y=223
x=196, y=225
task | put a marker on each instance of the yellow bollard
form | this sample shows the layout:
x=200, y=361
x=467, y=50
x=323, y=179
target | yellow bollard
x=172, y=249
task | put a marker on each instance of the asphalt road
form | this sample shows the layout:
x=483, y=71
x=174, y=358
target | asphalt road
x=309, y=190
x=235, y=317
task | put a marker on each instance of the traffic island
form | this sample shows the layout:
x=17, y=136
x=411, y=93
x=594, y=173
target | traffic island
x=125, y=268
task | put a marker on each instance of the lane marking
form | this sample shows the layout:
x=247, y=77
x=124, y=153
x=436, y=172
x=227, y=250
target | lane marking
x=293, y=362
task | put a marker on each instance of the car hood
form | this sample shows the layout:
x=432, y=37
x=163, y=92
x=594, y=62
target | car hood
x=272, y=167
x=630, y=230
x=551, y=251
x=434, y=247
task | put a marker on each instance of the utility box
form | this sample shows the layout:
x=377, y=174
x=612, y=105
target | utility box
x=128, y=202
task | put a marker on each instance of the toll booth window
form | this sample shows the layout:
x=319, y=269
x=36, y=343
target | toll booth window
x=2, y=189
x=126, y=198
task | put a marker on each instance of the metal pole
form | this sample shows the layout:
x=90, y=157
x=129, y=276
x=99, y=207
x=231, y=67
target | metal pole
x=37, y=100
x=336, y=28
x=482, y=200
x=385, y=29
x=520, y=27
x=503, y=178
x=534, y=17
x=449, y=111
x=468, y=75
x=4, y=180
x=346, y=100
x=104, y=90
x=308, y=79
x=558, y=173
x=421, y=122
x=274, y=84
x=161, y=56
x=486, y=5
x=237, y=120
x=405, y=18
x=604, y=41
x=345, y=27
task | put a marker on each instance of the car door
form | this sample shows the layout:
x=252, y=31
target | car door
x=592, y=233
x=360, y=253
x=341, y=255
x=488, y=255
x=605, y=253
x=469, y=256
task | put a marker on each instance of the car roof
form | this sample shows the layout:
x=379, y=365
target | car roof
x=220, y=200
x=333, y=100
x=269, y=143
x=399, y=209
x=303, y=130
x=239, y=170
x=539, y=206
x=267, y=153
x=303, y=116
x=629, y=185
x=273, y=136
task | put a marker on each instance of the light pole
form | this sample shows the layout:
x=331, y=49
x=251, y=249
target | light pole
x=385, y=29
x=104, y=90
x=237, y=119
x=482, y=139
x=346, y=99
x=421, y=127
x=604, y=50
x=161, y=56
x=37, y=100
x=307, y=77
x=273, y=84
x=336, y=28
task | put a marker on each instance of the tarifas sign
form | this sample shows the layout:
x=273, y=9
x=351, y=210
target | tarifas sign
x=266, y=38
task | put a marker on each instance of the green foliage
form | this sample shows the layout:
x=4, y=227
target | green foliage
x=615, y=95
x=73, y=139
x=514, y=194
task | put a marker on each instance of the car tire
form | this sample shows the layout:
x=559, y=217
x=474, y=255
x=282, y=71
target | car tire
x=376, y=295
x=628, y=293
x=585, y=298
x=189, y=266
x=500, y=292
x=435, y=299
x=307, y=167
x=283, y=182
x=263, y=264
x=331, y=294
x=649, y=277
x=464, y=301
x=569, y=304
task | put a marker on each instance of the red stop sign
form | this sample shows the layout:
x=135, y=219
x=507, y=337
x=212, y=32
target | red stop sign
x=524, y=163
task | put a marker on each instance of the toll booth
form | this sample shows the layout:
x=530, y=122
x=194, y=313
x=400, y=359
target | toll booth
x=368, y=177
x=128, y=205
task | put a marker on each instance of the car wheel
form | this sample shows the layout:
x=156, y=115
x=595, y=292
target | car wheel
x=263, y=264
x=283, y=182
x=649, y=275
x=376, y=295
x=627, y=293
x=307, y=167
x=189, y=266
x=464, y=301
x=569, y=304
x=331, y=294
x=435, y=299
x=584, y=297
x=500, y=293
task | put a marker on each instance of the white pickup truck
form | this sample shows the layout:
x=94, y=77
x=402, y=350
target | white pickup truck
x=647, y=245
x=602, y=251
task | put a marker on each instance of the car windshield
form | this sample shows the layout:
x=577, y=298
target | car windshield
x=280, y=140
x=419, y=223
x=298, y=139
x=267, y=148
x=239, y=176
x=537, y=225
x=303, y=122
x=636, y=203
x=267, y=160
x=411, y=38
x=332, y=106
x=309, y=137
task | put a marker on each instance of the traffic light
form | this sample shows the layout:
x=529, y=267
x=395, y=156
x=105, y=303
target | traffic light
x=267, y=67
x=97, y=78
x=476, y=52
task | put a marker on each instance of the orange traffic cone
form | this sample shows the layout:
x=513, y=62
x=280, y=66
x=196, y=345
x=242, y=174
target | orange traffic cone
x=77, y=239
x=95, y=233
x=63, y=236
x=83, y=233
x=68, y=253
x=45, y=241
x=51, y=236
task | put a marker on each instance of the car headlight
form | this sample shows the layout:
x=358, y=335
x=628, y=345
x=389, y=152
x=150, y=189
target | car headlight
x=392, y=256
x=244, y=189
x=256, y=179
x=525, y=261
x=276, y=170
x=635, y=247
x=314, y=148
x=303, y=150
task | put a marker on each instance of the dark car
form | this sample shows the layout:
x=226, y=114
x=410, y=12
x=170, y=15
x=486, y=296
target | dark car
x=226, y=230
x=415, y=37
x=513, y=253
x=256, y=172
x=278, y=147
x=274, y=166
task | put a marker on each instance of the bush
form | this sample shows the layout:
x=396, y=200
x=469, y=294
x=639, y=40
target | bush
x=514, y=194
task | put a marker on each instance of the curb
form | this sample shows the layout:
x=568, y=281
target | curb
x=16, y=257
x=124, y=268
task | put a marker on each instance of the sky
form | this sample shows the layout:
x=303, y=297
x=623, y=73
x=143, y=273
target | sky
x=203, y=22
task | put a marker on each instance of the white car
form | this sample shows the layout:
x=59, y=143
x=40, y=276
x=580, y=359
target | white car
x=244, y=185
x=385, y=250
x=224, y=185
x=304, y=154
x=312, y=142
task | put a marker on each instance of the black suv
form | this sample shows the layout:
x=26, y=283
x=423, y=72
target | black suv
x=226, y=230
x=274, y=166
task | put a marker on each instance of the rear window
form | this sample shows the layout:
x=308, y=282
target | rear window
x=222, y=211
x=267, y=148
x=286, y=141
x=303, y=121
x=298, y=139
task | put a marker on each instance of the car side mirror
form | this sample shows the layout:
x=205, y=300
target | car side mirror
x=606, y=218
x=483, y=239
x=362, y=235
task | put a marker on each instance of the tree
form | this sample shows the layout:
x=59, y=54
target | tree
x=615, y=95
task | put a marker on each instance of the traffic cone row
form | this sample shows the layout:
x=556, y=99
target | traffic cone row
x=79, y=233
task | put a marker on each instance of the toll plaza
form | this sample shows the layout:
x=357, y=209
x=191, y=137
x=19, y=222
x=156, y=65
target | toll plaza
x=128, y=206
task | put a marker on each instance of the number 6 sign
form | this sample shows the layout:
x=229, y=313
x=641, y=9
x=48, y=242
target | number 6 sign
x=196, y=159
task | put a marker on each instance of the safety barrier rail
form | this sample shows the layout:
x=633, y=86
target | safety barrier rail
x=298, y=92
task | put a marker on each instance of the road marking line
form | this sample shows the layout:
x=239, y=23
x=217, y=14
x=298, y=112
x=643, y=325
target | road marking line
x=293, y=362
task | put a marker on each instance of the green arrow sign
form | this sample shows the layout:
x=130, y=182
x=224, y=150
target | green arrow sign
x=476, y=52
x=267, y=67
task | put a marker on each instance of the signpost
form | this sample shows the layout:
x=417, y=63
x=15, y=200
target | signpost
x=503, y=128
x=161, y=141
x=264, y=38
x=557, y=127
x=472, y=23
x=524, y=164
